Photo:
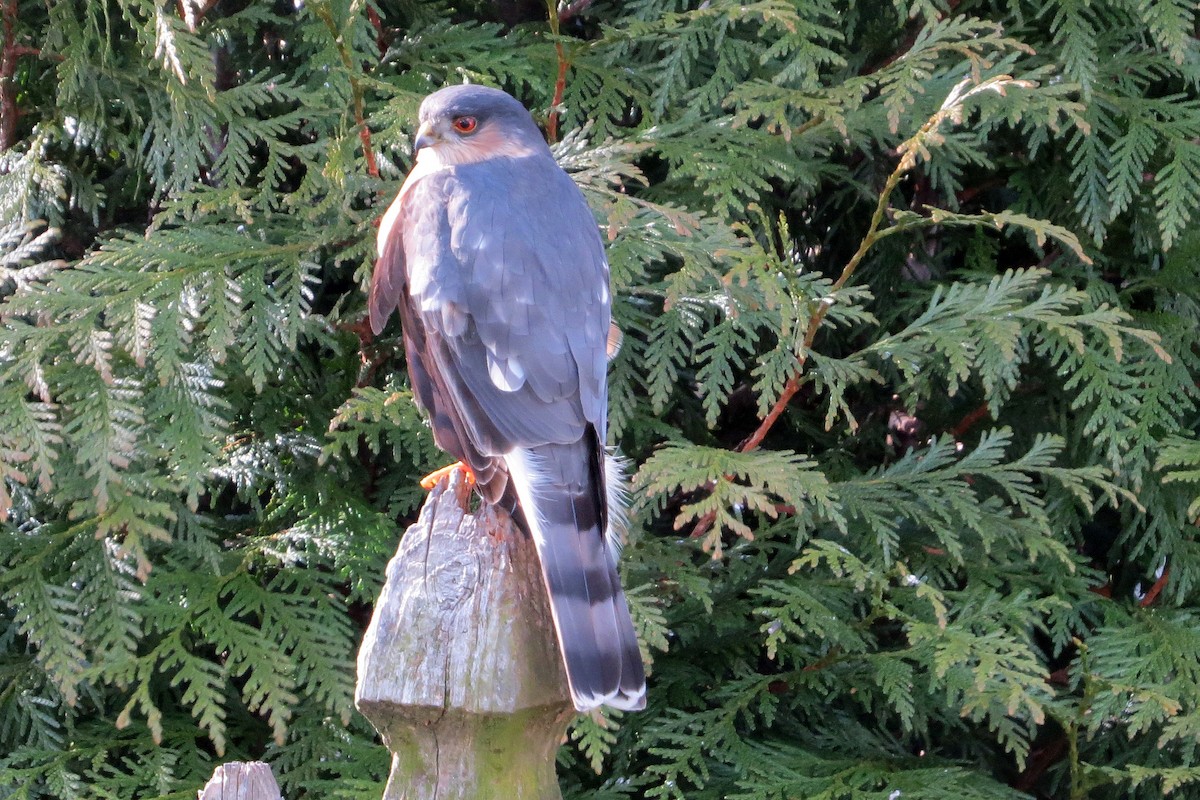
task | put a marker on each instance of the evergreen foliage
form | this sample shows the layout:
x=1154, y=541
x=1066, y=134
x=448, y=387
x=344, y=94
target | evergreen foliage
x=911, y=303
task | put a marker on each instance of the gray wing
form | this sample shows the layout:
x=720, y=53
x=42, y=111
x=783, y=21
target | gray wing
x=506, y=268
x=415, y=230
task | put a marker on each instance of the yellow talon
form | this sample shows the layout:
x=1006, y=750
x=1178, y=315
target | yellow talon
x=431, y=480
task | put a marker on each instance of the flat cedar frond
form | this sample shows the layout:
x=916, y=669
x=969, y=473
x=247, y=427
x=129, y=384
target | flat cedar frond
x=1179, y=460
x=732, y=486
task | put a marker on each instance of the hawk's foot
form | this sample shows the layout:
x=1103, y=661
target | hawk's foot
x=431, y=480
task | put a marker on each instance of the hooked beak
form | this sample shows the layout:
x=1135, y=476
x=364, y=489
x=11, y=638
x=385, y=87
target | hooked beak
x=426, y=136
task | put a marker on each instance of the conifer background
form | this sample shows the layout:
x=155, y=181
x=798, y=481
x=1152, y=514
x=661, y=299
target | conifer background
x=948, y=249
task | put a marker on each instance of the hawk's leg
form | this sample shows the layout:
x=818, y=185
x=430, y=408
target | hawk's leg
x=431, y=480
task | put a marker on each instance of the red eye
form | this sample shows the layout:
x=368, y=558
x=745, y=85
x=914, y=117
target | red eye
x=465, y=124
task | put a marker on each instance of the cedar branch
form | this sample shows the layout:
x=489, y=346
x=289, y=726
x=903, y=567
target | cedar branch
x=356, y=89
x=873, y=235
x=564, y=64
x=909, y=152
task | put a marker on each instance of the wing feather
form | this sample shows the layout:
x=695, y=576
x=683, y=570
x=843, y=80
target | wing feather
x=522, y=322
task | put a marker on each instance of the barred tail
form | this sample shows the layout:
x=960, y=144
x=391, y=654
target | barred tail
x=562, y=495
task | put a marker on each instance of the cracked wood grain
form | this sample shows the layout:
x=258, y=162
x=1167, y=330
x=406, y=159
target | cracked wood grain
x=241, y=780
x=459, y=670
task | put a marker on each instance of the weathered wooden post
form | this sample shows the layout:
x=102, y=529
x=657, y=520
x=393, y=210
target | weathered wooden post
x=241, y=780
x=459, y=670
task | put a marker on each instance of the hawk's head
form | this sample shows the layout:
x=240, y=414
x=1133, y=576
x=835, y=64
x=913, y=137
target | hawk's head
x=465, y=124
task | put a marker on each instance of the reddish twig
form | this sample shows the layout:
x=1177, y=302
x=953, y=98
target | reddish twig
x=377, y=24
x=564, y=64
x=909, y=151
x=969, y=193
x=966, y=423
x=1156, y=589
x=560, y=87
x=364, y=133
x=703, y=524
x=780, y=687
x=752, y=441
x=370, y=360
x=790, y=389
x=8, y=70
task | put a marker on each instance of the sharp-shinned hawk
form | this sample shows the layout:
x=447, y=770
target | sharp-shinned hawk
x=496, y=265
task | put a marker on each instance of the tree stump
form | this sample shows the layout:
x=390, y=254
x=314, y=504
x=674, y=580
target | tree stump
x=241, y=780
x=459, y=670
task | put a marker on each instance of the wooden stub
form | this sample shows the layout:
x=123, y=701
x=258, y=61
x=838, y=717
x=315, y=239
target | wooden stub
x=459, y=670
x=241, y=780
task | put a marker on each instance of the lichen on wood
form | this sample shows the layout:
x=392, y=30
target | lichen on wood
x=459, y=670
